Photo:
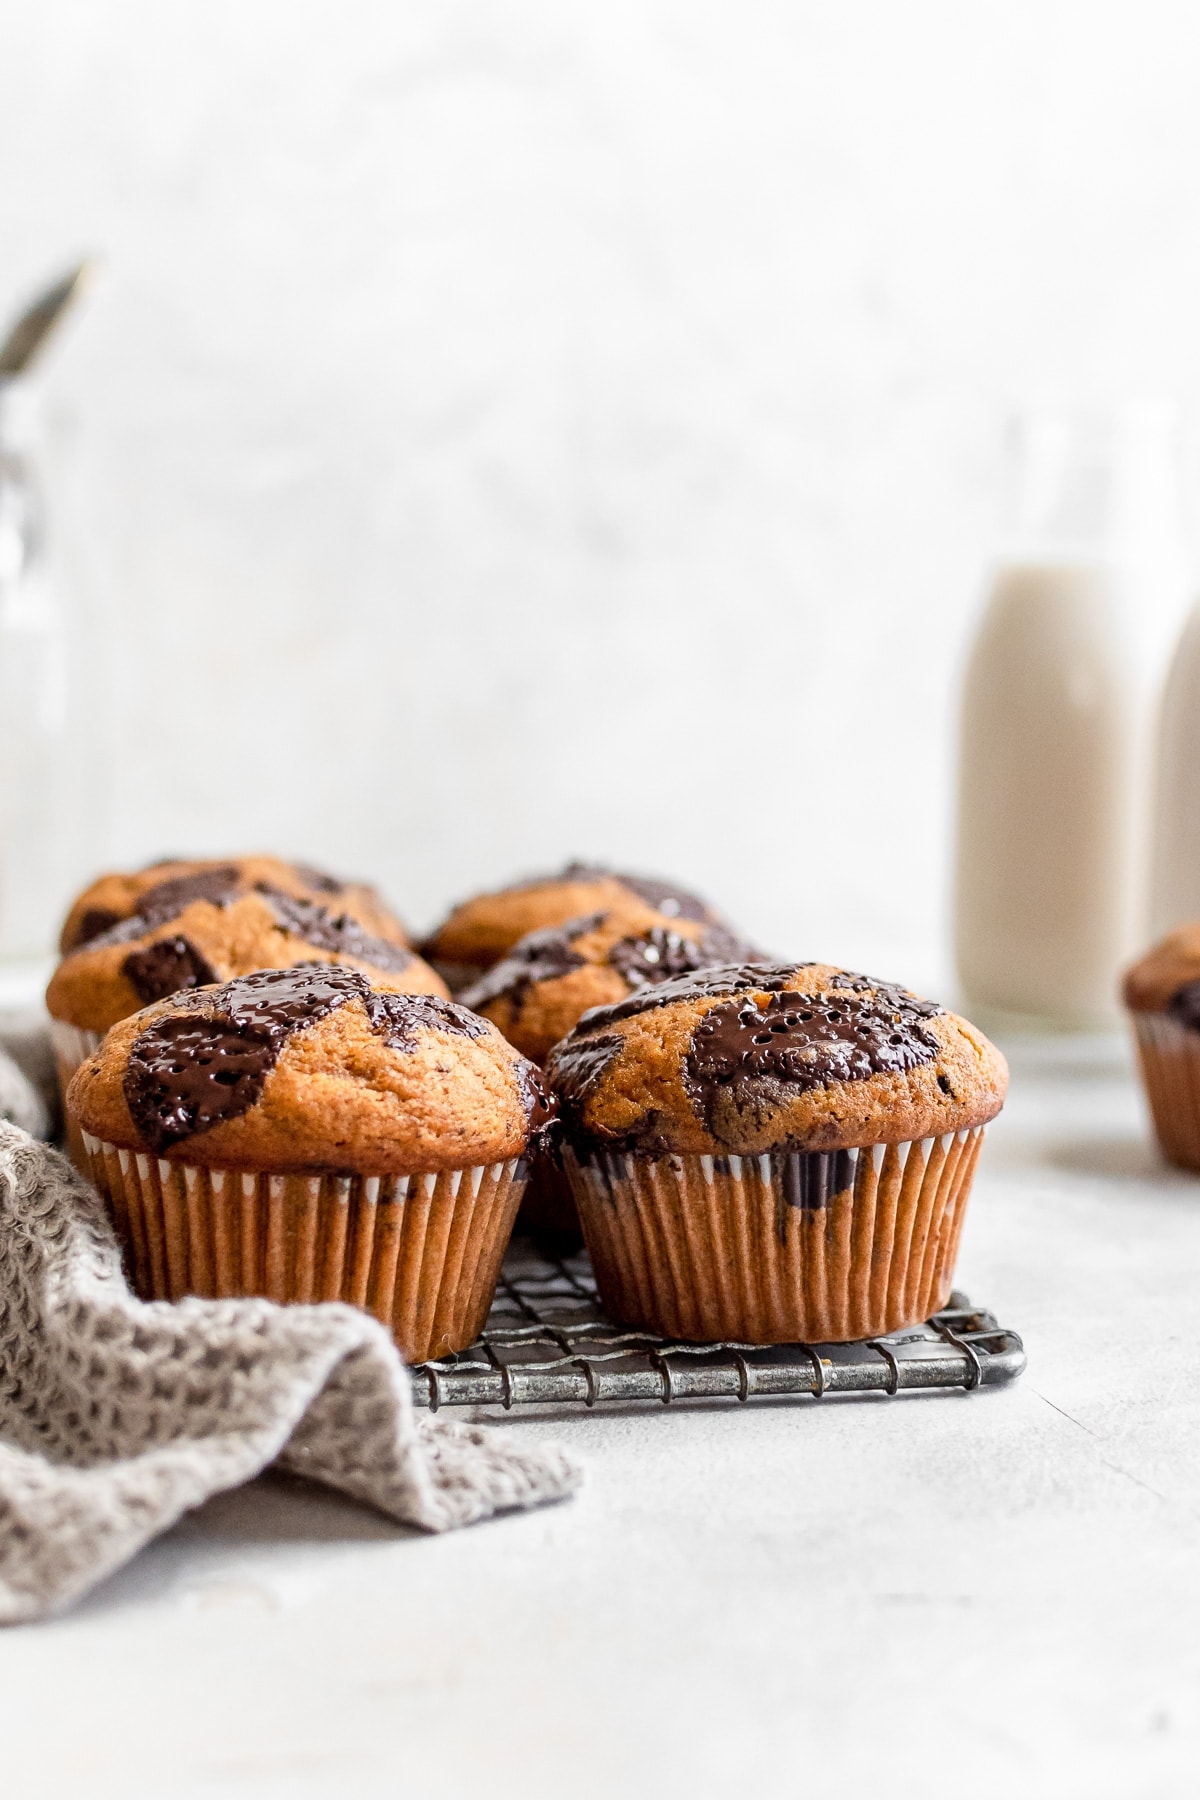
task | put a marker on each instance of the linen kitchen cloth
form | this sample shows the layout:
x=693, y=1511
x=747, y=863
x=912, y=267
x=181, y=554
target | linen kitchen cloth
x=117, y=1415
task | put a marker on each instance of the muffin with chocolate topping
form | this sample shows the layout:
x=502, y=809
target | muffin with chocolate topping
x=1162, y=993
x=550, y=978
x=479, y=932
x=310, y=1134
x=774, y=1154
x=189, y=930
x=113, y=898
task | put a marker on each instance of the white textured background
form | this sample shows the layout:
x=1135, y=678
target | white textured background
x=512, y=430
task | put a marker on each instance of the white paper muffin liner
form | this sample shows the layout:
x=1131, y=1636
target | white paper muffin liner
x=72, y=1046
x=820, y=1247
x=420, y=1252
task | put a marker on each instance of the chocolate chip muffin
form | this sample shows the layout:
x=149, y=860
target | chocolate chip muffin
x=308, y=1134
x=479, y=932
x=207, y=926
x=774, y=1153
x=1162, y=993
x=113, y=898
x=550, y=978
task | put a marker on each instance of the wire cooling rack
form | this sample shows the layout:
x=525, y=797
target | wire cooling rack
x=547, y=1341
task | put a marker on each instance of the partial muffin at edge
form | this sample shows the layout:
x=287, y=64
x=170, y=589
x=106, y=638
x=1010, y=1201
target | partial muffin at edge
x=1162, y=992
x=1153, y=981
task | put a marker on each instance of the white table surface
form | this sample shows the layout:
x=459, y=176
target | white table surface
x=973, y=1595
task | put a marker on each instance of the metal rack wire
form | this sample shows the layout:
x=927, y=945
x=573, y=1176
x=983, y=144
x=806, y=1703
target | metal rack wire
x=547, y=1341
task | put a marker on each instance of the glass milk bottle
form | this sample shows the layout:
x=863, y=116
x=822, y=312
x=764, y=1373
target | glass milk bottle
x=1175, y=860
x=1053, y=776
x=46, y=814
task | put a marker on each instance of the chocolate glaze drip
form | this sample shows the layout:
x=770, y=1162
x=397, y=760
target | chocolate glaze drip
x=802, y=1180
x=1184, y=1005
x=196, y=1069
x=541, y=1106
x=336, y=933
x=539, y=956
x=723, y=978
x=746, y=1059
x=166, y=967
x=578, y=1069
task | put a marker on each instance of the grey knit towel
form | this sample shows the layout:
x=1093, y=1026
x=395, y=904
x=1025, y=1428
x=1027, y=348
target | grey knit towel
x=117, y=1416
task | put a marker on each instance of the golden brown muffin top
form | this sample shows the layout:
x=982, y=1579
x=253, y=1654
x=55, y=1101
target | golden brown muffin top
x=753, y=1058
x=1159, y=978
x=311, y=1069
x=192, y=930
x=482, y=930
x=549, y=978
x=113, y=898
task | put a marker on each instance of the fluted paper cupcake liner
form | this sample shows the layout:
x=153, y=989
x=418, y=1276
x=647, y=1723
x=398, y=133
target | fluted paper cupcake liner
x=1169, y=1054
x=420, y=1252
x=823, y=1247
x=72, y=1046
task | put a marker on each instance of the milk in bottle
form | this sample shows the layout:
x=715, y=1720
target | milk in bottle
x=1175, y=868
x=1052, y=820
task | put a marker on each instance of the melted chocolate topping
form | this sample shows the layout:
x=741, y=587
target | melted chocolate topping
x=539, y=956
x=188, y=1073
x=1184, y=1005
x=95, y=921
x=173, y=964
x=641, y=960
x=166, y=967
x=661, y=955
x=165, y=901
x=748, y=1057
x=398, y=1018
x=723, y=978
x=578, y=1069
x=805, y=1041
x=541, y=1106
x=336, y=933
x=195, y=1070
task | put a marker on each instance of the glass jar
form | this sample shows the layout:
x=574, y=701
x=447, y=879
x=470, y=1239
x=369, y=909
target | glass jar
x=50, y=775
